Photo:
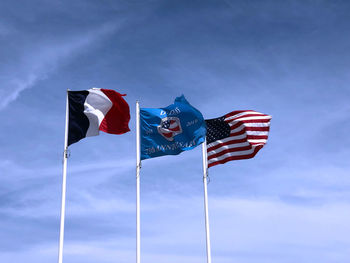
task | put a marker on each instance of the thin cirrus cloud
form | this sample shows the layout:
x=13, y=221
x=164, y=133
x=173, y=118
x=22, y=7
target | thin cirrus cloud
x=288, y=204
x=38, y=63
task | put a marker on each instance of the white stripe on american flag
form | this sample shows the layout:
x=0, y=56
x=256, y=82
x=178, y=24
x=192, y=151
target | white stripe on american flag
x=225, y=156
x=262, y=141
x=259, y=124
x=253, y=118
x=240, y=128
x=257, y=132
x=249, y=132
x=226, y=147
x=243, y=136
x=231, y=117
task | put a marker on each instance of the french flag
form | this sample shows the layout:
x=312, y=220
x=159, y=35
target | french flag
x=94, y=110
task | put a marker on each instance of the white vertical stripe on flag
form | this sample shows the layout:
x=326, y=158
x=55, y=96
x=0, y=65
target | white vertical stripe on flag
x=96, y=106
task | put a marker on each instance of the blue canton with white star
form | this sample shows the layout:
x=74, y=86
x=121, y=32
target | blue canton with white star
x=217, y=129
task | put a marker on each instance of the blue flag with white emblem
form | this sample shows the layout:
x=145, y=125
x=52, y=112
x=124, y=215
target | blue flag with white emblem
x=170, y=130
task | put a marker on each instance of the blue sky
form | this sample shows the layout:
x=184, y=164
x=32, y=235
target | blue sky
x=289, y=59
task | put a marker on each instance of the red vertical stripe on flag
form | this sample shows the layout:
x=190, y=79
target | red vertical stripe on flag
x=117, y=119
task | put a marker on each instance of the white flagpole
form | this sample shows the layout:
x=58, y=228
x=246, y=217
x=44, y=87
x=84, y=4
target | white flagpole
x=138, y=167
x=205, y=178
x=63, y=202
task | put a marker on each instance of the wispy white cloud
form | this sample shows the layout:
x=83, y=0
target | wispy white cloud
x=24, y=189
x=19, y=172
x=263, y=225
x=241, y=229
x=173, y=231
x=38, y=63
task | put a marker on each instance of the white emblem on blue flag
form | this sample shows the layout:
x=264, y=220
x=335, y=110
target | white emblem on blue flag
x=169, y=127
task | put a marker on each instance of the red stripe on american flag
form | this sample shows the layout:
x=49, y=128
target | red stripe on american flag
x=231, y=150
x=252, y=128
x=237, y=133
x=257, y=121
x=257, y=128
x=239, y=157
x=236, y=125
x=232, y=118
x=257, y=137
x=236, y=112
x=226, y=144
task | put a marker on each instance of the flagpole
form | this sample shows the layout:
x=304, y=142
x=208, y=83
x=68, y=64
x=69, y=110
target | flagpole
x=138, y=167
x=64, y=176
x=205, y=178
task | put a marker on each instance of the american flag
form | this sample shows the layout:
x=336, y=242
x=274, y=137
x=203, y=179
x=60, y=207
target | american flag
x=235, y=136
